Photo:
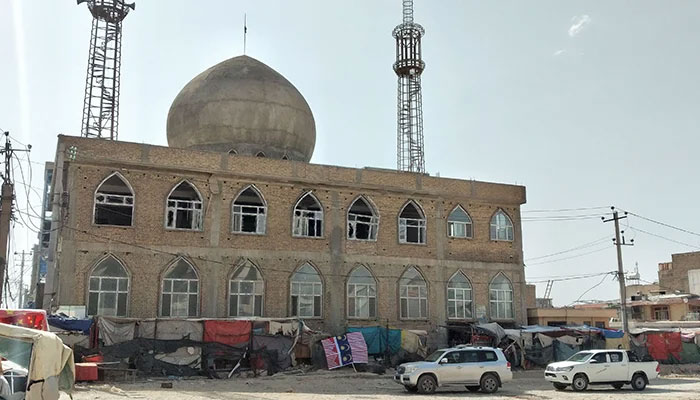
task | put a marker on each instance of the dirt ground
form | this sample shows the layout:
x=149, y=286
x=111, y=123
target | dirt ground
x=334, y=385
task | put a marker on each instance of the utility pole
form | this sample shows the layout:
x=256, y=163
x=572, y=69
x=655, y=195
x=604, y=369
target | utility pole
x=620, y=270
x=20, y=297
x=6, y=206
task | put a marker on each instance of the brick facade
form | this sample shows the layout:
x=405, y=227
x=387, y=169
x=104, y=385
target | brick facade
x=673, y=276
x=147, y=248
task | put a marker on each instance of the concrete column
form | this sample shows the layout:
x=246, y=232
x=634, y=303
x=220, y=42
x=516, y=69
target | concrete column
x=335, y=283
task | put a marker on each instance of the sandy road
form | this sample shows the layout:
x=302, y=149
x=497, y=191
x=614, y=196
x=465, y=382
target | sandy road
x=334, y=385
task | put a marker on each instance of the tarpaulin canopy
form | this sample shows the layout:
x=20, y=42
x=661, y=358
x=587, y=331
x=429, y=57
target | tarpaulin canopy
x=171, y=329
x=227, y=332
x=71, y=324
x=113, y=331
x=35, y=319
x=493, y=329
x=48, y=361
x=378, y=337
x=665, y=346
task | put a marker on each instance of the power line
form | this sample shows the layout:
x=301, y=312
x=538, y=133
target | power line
x=583, y=246
x=664, y=224
x=568, y=258
x=663, y=237
x=566, y=209
x=593, y=287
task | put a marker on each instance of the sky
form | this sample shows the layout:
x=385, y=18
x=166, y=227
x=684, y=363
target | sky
x=587, y=103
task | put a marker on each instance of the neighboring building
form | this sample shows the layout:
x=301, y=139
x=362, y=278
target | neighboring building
x=543, y=303
x=531, y=296
x=682, y=274
x=41, y=250
x=638, y=292
x=671, y=307
x=568, y=316
x=232, y=221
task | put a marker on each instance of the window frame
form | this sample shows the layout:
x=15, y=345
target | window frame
x=498, y=301
x=194, y=209
x=241, y=213
x=355, y=296
x=421, y=225
x=132, y=205
x=465, y=224
x=495, y=229
x=198, y=294
x=463, y=300
x=304, y=218
x=117, y=292
x=261, y=282
x=656, y=310
x=419, y=297
x=314, y=285
x=373, y=223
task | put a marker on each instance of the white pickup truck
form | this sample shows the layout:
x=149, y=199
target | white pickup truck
x=598, y=367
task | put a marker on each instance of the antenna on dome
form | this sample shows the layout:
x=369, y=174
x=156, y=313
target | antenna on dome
x=245, y=31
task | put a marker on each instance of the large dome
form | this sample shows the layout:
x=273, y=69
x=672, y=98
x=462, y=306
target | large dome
x=241, y=105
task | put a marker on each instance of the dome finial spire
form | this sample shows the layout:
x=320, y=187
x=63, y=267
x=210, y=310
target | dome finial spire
x=245, y=31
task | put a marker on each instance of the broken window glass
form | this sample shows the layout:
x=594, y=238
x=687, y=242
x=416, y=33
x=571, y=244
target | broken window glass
x=411, y=224
x=114, y=202
x=249, y=212
x=184, y=208
x=459, y=225
x=363, y=222
x=308, y=217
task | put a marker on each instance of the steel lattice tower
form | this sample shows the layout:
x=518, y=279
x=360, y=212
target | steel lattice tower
x=101, y=107
x=408, y=68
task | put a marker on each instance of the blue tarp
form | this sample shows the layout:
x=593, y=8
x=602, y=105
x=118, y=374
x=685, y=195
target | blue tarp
x=376, y=339
x=608, y=333
x=540, y=329
x=71, y=324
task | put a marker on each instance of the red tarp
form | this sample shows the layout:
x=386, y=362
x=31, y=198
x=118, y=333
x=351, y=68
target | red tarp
x=227, y=332
x=662, y=345
x=35, y=319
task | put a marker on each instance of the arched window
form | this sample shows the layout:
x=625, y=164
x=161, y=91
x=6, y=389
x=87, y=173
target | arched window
x=413, y=294
x=114, y=202
x=501, y=227
x=459, y=225
x=362, y=294
x=285, y=157
x=246, y=292
x=501, y=298
x=307, y=292
x=249, y=212
x=260, y=154
x=411, y=224
x=459, y=297
x=109, y=289
x=184, y=210
x=180, y=291
x=232, y=152
x=308, y=217
x=363, y=222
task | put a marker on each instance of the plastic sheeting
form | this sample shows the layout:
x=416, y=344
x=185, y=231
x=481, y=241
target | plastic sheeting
x=114, y=331
x=277, y=348
x=378, y=337
x=690, y=354
x=563, y=351
x=171, y=330
x=665, y=346
x=71, y=324
x=230, y=333
x=494, y=330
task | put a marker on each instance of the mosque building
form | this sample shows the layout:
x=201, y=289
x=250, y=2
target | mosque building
x=232, y=220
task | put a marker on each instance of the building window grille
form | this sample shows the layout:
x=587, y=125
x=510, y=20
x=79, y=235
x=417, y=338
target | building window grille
x=362, y=294
x=459, y=225
x=307, y=292
x=184, y=210
x=363, y=222
x=411, y=224
x=308, y=217
x=114, y=202
x=501, y=298
x=501, y=227
x=246, y=290
x=180, y=296
x=413, y=295
x=109, y=289
x=249, y=212
x=459, y=297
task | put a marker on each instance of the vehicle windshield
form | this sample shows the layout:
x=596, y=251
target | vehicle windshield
x=580, y=357
x=435, y=356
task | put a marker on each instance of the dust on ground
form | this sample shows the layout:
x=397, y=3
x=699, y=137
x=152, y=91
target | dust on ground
x=335, y=385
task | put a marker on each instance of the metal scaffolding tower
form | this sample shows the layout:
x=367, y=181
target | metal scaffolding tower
x=101, y=107
x=408, y=68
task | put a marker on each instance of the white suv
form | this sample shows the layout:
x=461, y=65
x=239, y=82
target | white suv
x=484, y=368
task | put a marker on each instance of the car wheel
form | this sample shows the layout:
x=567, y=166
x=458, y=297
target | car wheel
x=580, y=383
x=559, y=386
x=617, y=386
x=473, y=388
x=489, y=383
x=412, y=389
x=426, y=384
x=639, y=382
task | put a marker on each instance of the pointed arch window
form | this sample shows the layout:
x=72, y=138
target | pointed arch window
x=459, y=224
x=362, y=294
x=232, y=152
x=307, y=292
x=249, y=212
x=308, y=217
x=109, y=289
x=260, y=154
x=114, y=202
x=413, y=295
x=180, y=297
x=501, y=227
x=363, y=222
x=412, y=224
x=501, y=298
x=459, y=297
x=246, y=289
x=184, y=208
